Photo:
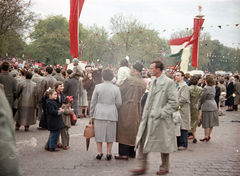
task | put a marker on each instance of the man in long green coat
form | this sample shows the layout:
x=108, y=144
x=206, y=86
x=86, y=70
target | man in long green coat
x=156, y=132
x=9, y=164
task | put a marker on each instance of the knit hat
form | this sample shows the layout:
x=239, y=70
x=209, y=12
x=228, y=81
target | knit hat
x=75, y=60
x=138, y=66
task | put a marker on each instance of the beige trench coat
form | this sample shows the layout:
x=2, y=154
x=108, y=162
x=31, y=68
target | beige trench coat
x=157, y=118
x=184, y=103
x=129, y=116
x=26, y=94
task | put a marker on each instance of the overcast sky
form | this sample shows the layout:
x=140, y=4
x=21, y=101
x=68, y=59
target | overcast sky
x=169, y=15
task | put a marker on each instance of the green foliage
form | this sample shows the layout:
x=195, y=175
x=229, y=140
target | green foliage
x=15, y=17
x=50, y=39
x=133, y=39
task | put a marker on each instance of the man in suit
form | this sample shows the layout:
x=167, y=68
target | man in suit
x=58, y=75
x=9, y=83
x=71, y=89
x=184, y=104
x=156, y=132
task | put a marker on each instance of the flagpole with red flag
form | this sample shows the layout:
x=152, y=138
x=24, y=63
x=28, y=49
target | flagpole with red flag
x=75, y=11
x=198, y=22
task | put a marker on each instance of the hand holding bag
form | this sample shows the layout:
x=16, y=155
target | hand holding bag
x=89, y=130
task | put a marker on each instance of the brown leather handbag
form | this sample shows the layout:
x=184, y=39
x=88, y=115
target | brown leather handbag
x=89, y=130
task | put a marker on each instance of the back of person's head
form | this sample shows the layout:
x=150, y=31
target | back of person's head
x=5, y=66
x=124, y=62
x=15, y=67
x=22, y=71
x=107, y=74
x=221, y=80
x=159, y=64
x=67, y=100
x=69, y=71
x=63, y=73
x=187, y=75
x=210, y=81
x=58, y=70
x=194, y=80
x=236, y=76
x=48, y=92
x=227, y=77
x=49, y=70
x=28, y=75
x=35, y=70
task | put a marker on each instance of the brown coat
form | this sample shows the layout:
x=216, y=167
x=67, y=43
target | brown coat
x=66, y=116
x=129, y=116
x=89, y=85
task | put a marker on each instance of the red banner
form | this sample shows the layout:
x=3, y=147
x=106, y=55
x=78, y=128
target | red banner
x=198, y=22
x=39, y=64
x=75, y=11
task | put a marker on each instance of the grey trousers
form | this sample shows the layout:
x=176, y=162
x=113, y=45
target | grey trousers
x=142, y=157
x=65, y=136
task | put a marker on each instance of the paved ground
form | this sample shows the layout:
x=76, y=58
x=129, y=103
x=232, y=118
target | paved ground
x=220, y=156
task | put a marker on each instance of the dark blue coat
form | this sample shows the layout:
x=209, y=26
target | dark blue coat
x=43, y=121
x=54, y=121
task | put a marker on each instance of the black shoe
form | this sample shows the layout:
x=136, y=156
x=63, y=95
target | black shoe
x=99, y=156
x=194, y=141
x=109, y=157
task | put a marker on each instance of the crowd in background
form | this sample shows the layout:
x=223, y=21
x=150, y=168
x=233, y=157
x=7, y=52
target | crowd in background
x=115, y=99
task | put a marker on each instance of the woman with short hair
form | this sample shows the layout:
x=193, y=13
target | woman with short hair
x=209, y=108
x=106, y=100
x=195, y=94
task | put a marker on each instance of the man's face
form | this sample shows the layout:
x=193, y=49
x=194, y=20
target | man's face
x=153, y=71
x=88, y=70
x=179, y=77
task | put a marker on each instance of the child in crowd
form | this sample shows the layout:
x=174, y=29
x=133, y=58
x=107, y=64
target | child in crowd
x=222, y=103
x=54, y=120
x=77, y=70
x=68, y=111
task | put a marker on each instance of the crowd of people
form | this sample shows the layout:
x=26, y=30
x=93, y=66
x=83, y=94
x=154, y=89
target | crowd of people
x=148, y=110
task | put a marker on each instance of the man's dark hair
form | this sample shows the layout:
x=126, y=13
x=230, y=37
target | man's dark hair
x=88, y=66
x=227, y=77
x=69, y=71
x=182, y=74
x=15, y=67
x=28, y=75
x=236, y=76
x=58, y=70
x=159, y=64
x=5, y=66
x=49, y=70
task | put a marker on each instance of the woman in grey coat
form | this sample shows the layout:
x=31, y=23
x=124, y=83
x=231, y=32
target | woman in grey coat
x=106, y=100
x=209, y=108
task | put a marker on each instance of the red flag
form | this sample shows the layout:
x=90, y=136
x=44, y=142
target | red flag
x=198, y=22
x=75, y=10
